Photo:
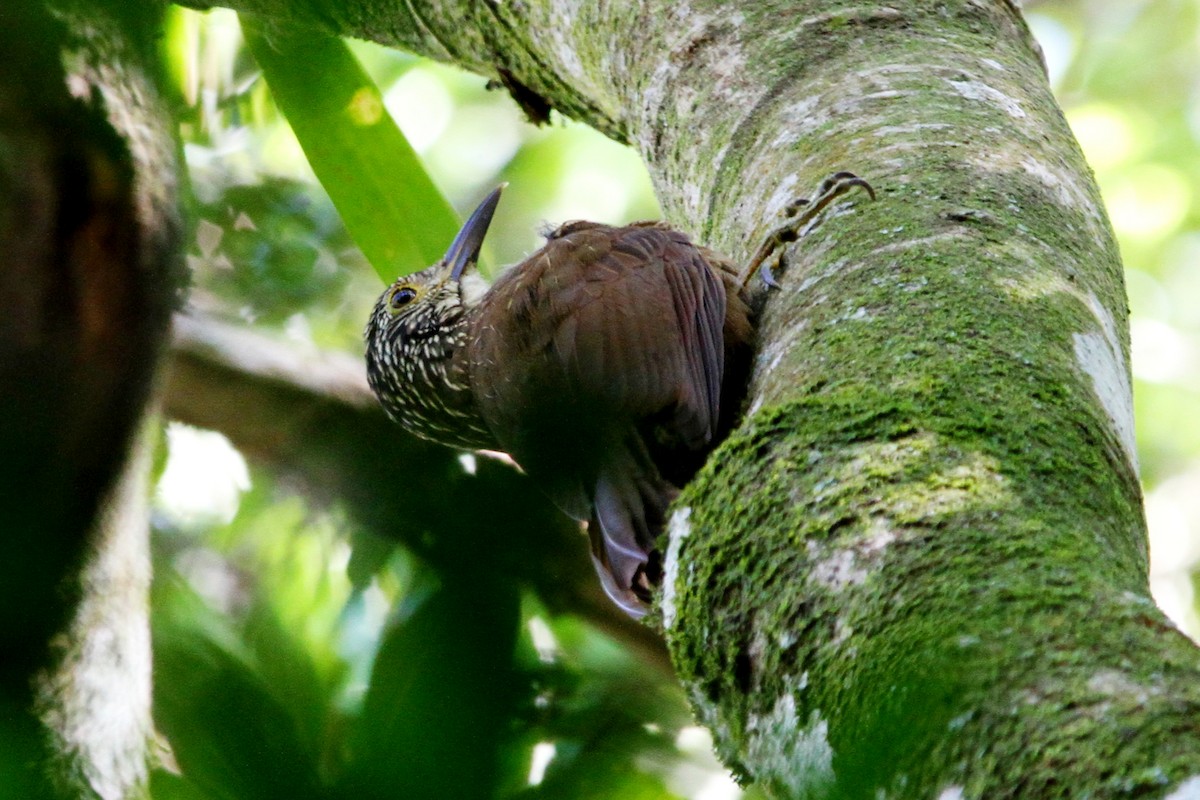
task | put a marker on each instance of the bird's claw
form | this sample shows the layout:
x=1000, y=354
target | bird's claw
x=800, y=213
x=767, y=274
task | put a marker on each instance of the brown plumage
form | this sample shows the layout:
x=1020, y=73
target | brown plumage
x=607, y=364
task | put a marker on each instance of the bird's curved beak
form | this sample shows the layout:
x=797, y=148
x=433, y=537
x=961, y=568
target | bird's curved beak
x=464, y=250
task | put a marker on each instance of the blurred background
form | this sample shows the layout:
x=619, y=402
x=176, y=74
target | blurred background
x=280, y=613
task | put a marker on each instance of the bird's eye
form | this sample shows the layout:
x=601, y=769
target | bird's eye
x=401, y=296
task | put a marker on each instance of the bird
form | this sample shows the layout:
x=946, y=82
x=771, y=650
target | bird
x=607, y=364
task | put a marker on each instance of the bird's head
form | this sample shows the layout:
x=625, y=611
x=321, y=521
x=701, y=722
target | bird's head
x=419, y=325
x=417, y=306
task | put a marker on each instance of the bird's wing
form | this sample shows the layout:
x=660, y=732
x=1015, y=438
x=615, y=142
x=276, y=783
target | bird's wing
x=598, y=351
x=627, y=320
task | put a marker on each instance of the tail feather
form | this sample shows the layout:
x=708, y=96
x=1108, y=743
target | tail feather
x=628, y=512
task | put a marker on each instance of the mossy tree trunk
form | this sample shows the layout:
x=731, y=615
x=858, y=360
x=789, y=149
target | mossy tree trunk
x=919, y=568
x=89, y=269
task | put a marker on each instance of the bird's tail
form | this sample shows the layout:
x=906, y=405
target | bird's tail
x=629, y=509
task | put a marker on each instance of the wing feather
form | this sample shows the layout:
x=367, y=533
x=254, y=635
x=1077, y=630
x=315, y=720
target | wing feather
x=602, y=332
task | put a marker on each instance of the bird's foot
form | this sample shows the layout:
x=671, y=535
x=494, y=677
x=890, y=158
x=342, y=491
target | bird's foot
x=801, y=216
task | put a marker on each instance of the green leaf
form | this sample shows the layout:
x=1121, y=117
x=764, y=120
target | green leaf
x=390, y=206
x=234, y=734
x=440, y=702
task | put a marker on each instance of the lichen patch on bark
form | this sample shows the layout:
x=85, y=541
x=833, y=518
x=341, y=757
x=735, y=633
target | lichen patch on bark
x=1110, y=381
x=1188, y=790
x=978, y=90
x=796, y=761
x=678, y=529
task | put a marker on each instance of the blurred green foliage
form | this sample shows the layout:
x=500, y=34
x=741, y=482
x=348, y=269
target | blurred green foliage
x=276, y=676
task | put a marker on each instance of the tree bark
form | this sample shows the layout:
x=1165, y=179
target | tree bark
x=89, y=267
x=95, y=699
x=919, y=567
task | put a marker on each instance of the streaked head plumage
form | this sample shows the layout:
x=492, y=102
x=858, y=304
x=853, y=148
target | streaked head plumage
x=415, y=336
